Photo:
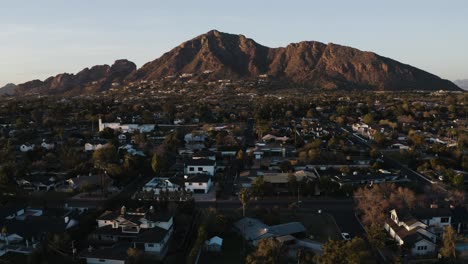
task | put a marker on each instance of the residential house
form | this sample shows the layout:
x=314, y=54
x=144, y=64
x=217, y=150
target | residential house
x=195, y=137
x=204, y=154
x=198, y=183
x=196, y=166
x=47, y=146
x=214, y=244
x=253, y=230
x=434, y=217
x=126, y=128
x=115, y=254
x=80, y=181
x=27, y=147
x=364, y=130
x=144, y=228
x=408, y=231
x=157, y=185
x=27, y=227
x=92, y=146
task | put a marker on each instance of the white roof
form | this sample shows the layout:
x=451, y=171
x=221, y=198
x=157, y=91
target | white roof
x=216, y=240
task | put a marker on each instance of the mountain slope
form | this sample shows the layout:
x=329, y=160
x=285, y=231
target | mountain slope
x=8, y=89
x=308, y=63
x=88, y=80
x=462, y=83
x=217, y=55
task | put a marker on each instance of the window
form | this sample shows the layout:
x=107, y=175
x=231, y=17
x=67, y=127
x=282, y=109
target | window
x=150, y=245
x=191, y=169
x=200, y=169
x=200, y=184
x=422, y=248
x=190, y=183
x=444, y=220
x=102, y=260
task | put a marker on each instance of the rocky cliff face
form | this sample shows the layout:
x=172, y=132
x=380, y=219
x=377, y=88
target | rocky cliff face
x=221, y=55
x=88, y=80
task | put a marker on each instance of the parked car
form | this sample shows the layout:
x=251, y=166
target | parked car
x=346, y=236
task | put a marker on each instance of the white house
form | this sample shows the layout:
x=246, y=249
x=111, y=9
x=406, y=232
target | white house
x=143, y=228
x=92, y=147
x=126, y=128
x=122, y=138
x=214, y=244
x=26, y=147
x=157, y=184
x=435, y=218
x=198, y=183
x=406, y=229
x=195, y=137
x=196, y=166
x=47, y=146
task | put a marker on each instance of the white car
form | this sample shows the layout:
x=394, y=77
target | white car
x=346, y=236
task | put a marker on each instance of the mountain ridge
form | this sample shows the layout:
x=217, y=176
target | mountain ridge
x=228, y=56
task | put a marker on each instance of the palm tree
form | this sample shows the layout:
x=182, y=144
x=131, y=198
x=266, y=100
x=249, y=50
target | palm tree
x=4, y=234
x=244, y=197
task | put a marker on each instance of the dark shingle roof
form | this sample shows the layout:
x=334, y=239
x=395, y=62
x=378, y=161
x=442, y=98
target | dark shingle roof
x=199, y=178
x=116, y=252
x=153, y=235
x=200, y=162
x=427, y=213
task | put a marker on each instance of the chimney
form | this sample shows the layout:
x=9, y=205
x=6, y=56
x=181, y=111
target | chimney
x=123, y=210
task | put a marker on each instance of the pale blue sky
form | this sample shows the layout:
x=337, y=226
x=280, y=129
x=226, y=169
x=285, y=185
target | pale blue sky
x=43, y=38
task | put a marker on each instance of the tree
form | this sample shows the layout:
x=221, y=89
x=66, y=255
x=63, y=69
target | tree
x=376, y=235
x=4, y=176
x=338, y=251
x=244, y=198
x=158, y=163
x=448, y=244
x=269, y=251
x=374, y=203
x=368, y=119
x=5, y=233
x=103, y=156
x=201, y=237
x=292, y=183
x=134, y=255
x=258, y=186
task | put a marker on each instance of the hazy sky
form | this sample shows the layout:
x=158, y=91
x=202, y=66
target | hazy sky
x=43, y=38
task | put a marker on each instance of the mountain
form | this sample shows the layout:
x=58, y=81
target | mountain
x=8, y=89
x=462, y=83
x=216, y=55
x=89, y=80
x=307, y=63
